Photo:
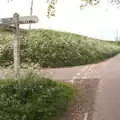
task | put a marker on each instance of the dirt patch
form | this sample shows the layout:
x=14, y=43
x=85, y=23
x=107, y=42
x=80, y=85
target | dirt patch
x=84, y=102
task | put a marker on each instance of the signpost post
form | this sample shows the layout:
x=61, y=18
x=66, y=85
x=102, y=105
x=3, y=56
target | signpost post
x=16, y=46
x=16, y=21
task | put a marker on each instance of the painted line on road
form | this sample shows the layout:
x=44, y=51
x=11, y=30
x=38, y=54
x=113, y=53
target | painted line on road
x=85, y=116
x=82, y=78
x=100, y=86
x=79, y=74
x=82, y=75
x=88, y=70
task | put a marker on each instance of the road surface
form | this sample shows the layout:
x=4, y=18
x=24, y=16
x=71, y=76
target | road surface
x=107, y=102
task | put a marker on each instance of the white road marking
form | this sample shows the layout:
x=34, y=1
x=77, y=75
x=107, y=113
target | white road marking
x=72, y=81
x=100, y=86
x=83, y=74
x=88, y=70
x=78, y=74
x=75, y=77
x=85, y=116
x=83, y=71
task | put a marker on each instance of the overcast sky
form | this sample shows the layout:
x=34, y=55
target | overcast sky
x=100, y=22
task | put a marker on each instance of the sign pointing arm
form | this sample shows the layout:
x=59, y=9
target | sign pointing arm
x=16, y=20
x=22, y=20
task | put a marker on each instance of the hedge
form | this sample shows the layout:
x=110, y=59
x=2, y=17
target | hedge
x=49, y=48
x=34, y=98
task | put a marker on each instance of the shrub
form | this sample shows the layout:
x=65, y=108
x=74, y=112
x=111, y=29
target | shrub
x=34, y=98
x=58, y=49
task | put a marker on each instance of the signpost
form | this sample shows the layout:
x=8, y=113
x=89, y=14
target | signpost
x=22, y=20
x=16, y=46
x=5, y=25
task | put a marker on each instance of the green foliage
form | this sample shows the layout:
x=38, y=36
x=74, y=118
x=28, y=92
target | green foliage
x=51, y=8
x=34, y=98
x=49, y=48
x=85, y=3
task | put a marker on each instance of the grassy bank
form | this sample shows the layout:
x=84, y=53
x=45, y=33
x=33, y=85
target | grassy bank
x=34, y=98
x=49, y=48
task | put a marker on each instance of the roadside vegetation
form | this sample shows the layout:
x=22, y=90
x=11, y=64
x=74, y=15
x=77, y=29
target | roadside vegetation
x=48, y=48
x=34, y=98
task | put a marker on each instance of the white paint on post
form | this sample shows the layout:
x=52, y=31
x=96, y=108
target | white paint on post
x=16, y=45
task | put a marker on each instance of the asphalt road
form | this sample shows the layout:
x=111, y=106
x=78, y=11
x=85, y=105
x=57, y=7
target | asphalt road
x=107, y=102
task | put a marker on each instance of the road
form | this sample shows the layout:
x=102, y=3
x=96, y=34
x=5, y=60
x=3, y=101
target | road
x=107, y=102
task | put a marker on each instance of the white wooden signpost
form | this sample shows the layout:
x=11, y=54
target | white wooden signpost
x=12, y=24
x=22, y=20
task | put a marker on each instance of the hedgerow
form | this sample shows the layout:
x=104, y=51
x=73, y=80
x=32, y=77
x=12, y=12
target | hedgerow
x=34, y=98
x=49, y=48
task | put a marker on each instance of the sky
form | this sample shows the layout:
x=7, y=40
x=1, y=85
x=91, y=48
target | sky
x=100, y=22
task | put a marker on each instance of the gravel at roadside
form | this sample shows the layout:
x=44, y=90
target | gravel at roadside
x=84, y=103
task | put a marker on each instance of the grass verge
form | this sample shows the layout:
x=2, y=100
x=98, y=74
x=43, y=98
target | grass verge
x=34, y=98
x=48, y=48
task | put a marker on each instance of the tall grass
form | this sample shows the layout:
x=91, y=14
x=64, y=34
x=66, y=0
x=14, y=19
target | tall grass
x=49, y=48
x=34, y=98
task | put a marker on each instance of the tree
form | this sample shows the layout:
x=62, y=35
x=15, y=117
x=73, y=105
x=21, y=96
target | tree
x=51, y=8
x=84, y=3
